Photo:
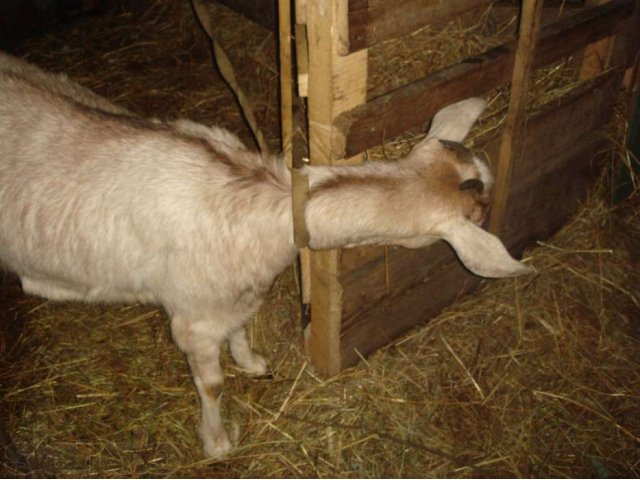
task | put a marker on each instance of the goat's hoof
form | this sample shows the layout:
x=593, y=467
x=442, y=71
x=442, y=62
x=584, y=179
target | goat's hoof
x=257, y=365
x=218, y=448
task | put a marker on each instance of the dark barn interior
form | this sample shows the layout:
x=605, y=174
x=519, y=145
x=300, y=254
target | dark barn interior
x=536, y=376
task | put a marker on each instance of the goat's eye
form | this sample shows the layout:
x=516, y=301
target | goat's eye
x=472, y=183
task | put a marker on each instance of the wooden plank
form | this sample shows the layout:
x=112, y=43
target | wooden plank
x=299, y=181
x=413, y=105
x=367, y=329
x=301, y=12
x=551, y=12
x=322, y=335
x=554, y=195
x=563, y=123
x=286, y=81
x=336, y=84
x=366, y=284
x=513, y=135
x=552, y=176
x=373, y=21
x=322, y=338
x=302, y=59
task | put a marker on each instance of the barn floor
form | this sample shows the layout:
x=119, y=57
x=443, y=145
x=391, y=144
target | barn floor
x=532, y=377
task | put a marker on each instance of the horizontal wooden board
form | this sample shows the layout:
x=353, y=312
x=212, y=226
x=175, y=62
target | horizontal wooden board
x=551, y=178
x=540, y=210
x=413, y=105
x=373, y=21
x=367, y=283
x=368, y=329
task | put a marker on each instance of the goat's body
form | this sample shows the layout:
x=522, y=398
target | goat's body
x=116, y=213
x=99, y=205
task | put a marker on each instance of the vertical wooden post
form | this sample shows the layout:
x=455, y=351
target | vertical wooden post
x=336, y=84
x=302, y=77
x=286, y=102
x=513, y=136
x=299, y=182
x=302, y=59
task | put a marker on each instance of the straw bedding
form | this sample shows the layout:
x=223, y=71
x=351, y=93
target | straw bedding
x=536, y=376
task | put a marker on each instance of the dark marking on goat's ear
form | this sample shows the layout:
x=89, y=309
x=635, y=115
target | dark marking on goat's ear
x=472, y=183
x=462, y=152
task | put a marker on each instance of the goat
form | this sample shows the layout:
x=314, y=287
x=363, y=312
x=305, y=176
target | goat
x=99, y=205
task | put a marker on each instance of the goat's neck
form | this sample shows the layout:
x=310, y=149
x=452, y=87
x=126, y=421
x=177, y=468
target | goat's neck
x=357, y=205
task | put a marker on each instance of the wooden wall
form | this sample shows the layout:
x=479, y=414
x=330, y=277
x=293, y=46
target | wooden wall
x=363, y=298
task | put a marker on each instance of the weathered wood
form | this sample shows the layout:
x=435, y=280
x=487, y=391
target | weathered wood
x=562, y=123
x=514, y=130
x=322, y=338
x=301, y=12
x=322, y=335
x=558, y=162
x=372, y=326
x=413, y=105
x=365, y=284
x=373, y=21
x=286, y=81
x=551, y=12
x=336, y=84
x=302, y=59
x=299, y=181
x=549, y=180
x=539, y=211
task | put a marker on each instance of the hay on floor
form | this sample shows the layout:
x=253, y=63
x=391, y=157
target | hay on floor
x=534, y=376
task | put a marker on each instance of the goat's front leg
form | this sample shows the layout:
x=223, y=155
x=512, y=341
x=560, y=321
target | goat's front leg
x=244, y=356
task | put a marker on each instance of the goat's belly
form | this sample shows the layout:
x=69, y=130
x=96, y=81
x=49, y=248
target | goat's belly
x=54, y=289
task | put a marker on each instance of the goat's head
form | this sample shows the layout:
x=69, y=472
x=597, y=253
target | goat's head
x=459, y=187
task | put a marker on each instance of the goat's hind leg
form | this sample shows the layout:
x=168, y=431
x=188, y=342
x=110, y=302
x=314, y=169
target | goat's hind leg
x=207, y=375
x=203, y=353
x=244, y=356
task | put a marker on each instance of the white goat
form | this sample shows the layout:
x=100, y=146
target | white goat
x=99, y=205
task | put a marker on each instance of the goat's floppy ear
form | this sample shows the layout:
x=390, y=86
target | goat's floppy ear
x=454, y=121
x=481, y=252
